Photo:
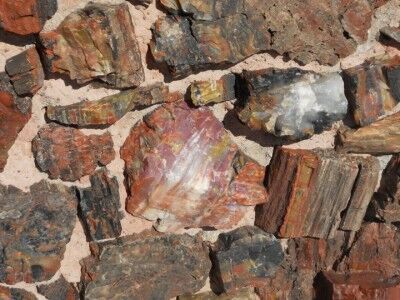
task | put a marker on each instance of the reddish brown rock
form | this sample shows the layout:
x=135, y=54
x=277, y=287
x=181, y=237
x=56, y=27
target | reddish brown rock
x=301, y=185
x=183, y=170
x=10, y=293
x=60, y=289
x=96, y=42
x=213, y=91
x=68, y=154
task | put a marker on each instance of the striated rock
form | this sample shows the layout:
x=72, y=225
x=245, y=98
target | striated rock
x=34, y=229
x=379, y=138
x=145, y=267
x=59, y=289
x=372, y=89
x=183, y=170
x=242, y=294
x=96, y=42
x=301, y=185
x=244, y=257
x=25, y=17
x=391, y=33
x=110, y=109
x=68, y=154
x=100, y=208
x=10, y=293
x=213, y=91
x=292, y=103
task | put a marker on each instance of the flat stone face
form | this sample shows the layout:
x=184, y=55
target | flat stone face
x=301, y=186
x=213, y=91
x=110, y=109
x=34, y=229
x=244, y=257
x=291, y=103
x=96, y=42
x=68, y=154
x=183, y=170
x=9, y=293
x=25, y=17
x=60, y=289
x=147, y=266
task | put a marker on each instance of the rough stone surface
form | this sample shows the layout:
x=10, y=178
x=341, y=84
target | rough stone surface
x=301, y=185
x=10, y=293
x=183, y=170
x=96, y=42
x=379, y=138
x=373, y=89
x=99, y=207
x=213, y=91
x=244, y=257
x=68, y=154
x=392, y=33
x=24, y=17
x=34, y=229
x=60, y=289
x=110, y=109
x=242, y=294
x=292, y=103
x=144, y=3
x=146, y=266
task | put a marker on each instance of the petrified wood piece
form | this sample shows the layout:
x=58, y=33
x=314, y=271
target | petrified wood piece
x=10, y=293
x=213, y=91
x=60, y=289
x=391, y=33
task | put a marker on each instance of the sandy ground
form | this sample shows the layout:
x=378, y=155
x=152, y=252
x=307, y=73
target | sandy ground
x=20, y=170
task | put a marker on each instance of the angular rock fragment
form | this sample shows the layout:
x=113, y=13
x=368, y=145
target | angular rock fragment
x=68, y=154
x=242, y=294
x=34, y=230
x=25, y=17
x=379, y=138
x=213, y=91
x=373, y=89
x=10, y=293
x=391, y=33
x=292, y=103
x=99, y=207
x=244, y=257
x=96, y=42
x=59, y=289
x=183, y=170
x=146, y=266
x=301, y=185
x=110, y=109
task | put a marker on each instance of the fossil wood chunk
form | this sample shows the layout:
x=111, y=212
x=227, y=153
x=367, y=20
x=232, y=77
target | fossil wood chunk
x=301, y=185
x=146, y=266
x=60, y=289
x=242, y=294
x=391, y=33
x=292, y=103
x=183, y=170
x=213, y=91
x=34, y=230
x=110, y=109
x=10, y=293
x=379, y=138
x=96, y=42
x=68, y=154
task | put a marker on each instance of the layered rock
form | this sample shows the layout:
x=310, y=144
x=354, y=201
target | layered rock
x=244, y=257
x=372, y=89
x=183, y=170
x=242, y=294
x=291, y=103
x=25, y=17
x=96, y=42
x=10, y=293
x=34, y=230
x=110, y=109
x=391, y=33
x=59, y=289
x=147, y=266
x=68, y=154
x=301, y=185
x=213, y=91
x=99, y=207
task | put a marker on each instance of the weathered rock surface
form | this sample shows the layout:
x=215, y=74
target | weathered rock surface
x=146, y=267
x=96, y=42
x=301, y=185
x=25, y=17
x=9, y=293
x=379, y=138
x=244, y=257
x=110, y=109
x=60, y=289
x=34, y=229
x=99, y=207
x=213, y=91
x=242, y=294
x=144, y=3
x=392, y=33
x=292, y=103
x=68, y=154
x=183, y=170
x=373, y=89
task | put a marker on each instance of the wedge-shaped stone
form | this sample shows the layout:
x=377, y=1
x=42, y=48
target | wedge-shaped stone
x=10, y=293
x=301, y=185
x=60, y=289
x=183, y=170
x=213, y=91
x=110, y=109
x=146, y=266
x=242, y=294
x=391, y=33
x=34, y=229
x=96, y=42
x=68, y=154
x=292, y=103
